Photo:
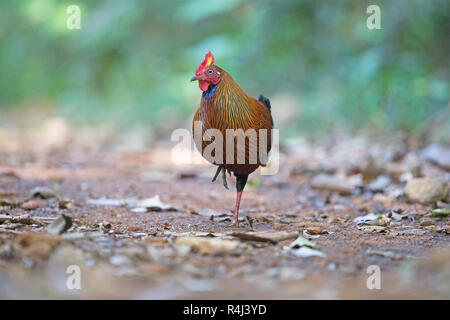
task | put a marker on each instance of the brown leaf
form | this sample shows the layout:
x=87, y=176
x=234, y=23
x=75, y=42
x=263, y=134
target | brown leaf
x=315, y=230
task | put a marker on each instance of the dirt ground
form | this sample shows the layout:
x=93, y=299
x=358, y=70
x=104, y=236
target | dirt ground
x=130, y=244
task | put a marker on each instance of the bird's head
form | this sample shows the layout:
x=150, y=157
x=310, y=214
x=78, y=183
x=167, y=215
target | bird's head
x=207, y=73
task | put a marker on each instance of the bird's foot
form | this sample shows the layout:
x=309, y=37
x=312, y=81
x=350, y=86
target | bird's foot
x=235, y=219
x=224, y=175
x=224, y=178
x=217, y=173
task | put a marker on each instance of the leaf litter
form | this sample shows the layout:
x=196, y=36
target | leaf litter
x=118, y=234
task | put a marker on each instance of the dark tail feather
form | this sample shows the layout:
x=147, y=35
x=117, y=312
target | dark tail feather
x=265, y=101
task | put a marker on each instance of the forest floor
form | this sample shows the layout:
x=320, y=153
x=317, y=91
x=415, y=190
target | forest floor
x=336, y=207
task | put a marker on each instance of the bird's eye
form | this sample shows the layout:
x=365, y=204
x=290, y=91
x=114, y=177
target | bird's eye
x=210, y=71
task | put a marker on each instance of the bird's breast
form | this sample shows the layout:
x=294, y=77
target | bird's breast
x=239, y=149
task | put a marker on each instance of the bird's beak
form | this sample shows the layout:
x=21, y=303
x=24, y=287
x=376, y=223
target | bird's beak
x=195, y=77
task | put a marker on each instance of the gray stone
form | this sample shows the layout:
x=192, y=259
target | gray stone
x=426, y=190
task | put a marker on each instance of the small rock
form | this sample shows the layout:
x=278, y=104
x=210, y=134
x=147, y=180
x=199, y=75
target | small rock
x=394, y=191
x=437, y=154
x=331, y=183
x=105, y=226
x=301, y=242
x=112, y=202
x=398, y=217
x=367, y=218
x=379, y=184
x=426, y=222
x=65, y=204
x=426, y=190
x=43, y=193
x=305, y=252
x=383, y=221
x=60, y=225
x=30, y=205
x=154, y=204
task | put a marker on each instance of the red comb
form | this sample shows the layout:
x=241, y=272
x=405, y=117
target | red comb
x=209, y=60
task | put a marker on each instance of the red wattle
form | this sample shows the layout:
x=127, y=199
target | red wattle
x=203, y=85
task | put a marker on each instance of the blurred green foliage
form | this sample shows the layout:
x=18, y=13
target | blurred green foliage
x=132, y=60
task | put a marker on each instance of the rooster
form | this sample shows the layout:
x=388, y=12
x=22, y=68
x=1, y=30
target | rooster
x=223, y=106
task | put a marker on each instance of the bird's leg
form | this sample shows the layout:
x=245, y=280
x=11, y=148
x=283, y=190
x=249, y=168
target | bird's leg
x=224, y=178
x=241, y=180
x=217, y=173
x=236, y=209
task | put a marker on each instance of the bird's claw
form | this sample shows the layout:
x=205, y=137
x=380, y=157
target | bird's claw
x=224, y=177
x=217, y=173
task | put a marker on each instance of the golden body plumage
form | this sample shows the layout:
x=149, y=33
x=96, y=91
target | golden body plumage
x=229, y=107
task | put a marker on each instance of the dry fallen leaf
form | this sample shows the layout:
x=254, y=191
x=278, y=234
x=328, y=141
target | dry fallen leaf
x=379, y=229
x=153, y=204
x=304, y=252
x=315, y=230
x=301, y=242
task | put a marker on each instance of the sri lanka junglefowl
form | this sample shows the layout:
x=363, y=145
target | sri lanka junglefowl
x=241, y=123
